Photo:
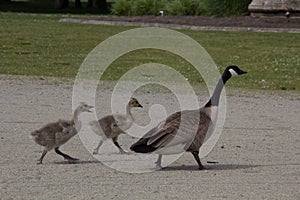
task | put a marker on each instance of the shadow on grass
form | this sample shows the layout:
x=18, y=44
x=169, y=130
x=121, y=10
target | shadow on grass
x=44, y=6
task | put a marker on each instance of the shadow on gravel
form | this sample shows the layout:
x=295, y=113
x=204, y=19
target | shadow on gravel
x=223, y=167
x=76, y=162
x=210, y=167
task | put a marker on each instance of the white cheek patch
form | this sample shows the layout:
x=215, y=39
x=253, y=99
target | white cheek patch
x=232, y=72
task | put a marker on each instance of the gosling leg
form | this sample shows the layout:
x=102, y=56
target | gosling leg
x=158, y=162
x=119, y=147
x=67, y=157
x=196, y=156
x=97, y=148
x=40, y=161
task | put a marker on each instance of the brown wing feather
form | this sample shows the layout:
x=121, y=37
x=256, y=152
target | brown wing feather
x=166, y=133
x=158, y=137
x=187, y=128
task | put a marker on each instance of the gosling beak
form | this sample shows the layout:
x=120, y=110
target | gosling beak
x=140, y=106
x=90, y=107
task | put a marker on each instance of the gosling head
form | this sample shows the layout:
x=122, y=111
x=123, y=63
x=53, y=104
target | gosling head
x=233, y=70
x=134, y=103
x=83, y=107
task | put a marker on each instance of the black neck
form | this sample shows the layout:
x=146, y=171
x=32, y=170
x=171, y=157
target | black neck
x=215, y=98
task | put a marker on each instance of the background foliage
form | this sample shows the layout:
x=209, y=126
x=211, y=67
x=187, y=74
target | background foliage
x=181, y=7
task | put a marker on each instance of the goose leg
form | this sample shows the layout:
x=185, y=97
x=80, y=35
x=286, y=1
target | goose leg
x=40, y=161
x=119, y=147
x=158, y=162
x=67, y=157
x=97, y=148
x=196, y=156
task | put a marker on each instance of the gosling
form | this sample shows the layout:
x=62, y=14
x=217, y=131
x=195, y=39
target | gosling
x=111, y=126
x=55, y=134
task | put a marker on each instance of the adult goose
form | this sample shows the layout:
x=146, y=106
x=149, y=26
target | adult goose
x=184, y=130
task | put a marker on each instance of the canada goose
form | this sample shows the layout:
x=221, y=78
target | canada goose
x=55, y=134
x=111, y=126
x=163, y=137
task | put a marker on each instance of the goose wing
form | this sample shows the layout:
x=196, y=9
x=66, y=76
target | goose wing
x=109, y=124
x=121, y=122
x=65, y=123
x=178, y=129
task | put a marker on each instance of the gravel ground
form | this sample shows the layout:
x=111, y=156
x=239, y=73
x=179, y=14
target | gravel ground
x=257, y=155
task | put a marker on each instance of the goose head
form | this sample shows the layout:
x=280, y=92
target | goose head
x=233, y=70
x=83, y=107
x=134, y=103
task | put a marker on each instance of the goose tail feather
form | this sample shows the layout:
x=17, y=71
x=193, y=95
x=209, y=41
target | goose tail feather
x=142, y=147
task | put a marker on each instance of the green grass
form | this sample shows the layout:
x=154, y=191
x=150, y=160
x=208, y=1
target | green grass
x=36, y=44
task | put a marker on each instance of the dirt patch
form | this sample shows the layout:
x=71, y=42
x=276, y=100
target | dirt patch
x=244, y=23
x=257, y=155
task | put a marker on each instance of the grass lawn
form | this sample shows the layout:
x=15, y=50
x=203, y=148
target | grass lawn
x=36, y=44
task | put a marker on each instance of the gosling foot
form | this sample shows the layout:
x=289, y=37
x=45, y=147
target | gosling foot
x=39, y=162
x=95, y=152
x=123, y=152
x=72, y=160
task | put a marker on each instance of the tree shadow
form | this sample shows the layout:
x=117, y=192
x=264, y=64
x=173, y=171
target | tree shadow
x=44, y=6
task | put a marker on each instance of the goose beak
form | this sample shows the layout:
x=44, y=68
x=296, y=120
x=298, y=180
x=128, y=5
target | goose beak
x=243, y=72
x=140, y=106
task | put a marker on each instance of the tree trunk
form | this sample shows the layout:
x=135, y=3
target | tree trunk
x=78, y=4
x=100, y=5
x=61, y=4
x=90, y=3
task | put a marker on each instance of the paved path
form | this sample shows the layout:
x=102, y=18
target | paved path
x=257, y=155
